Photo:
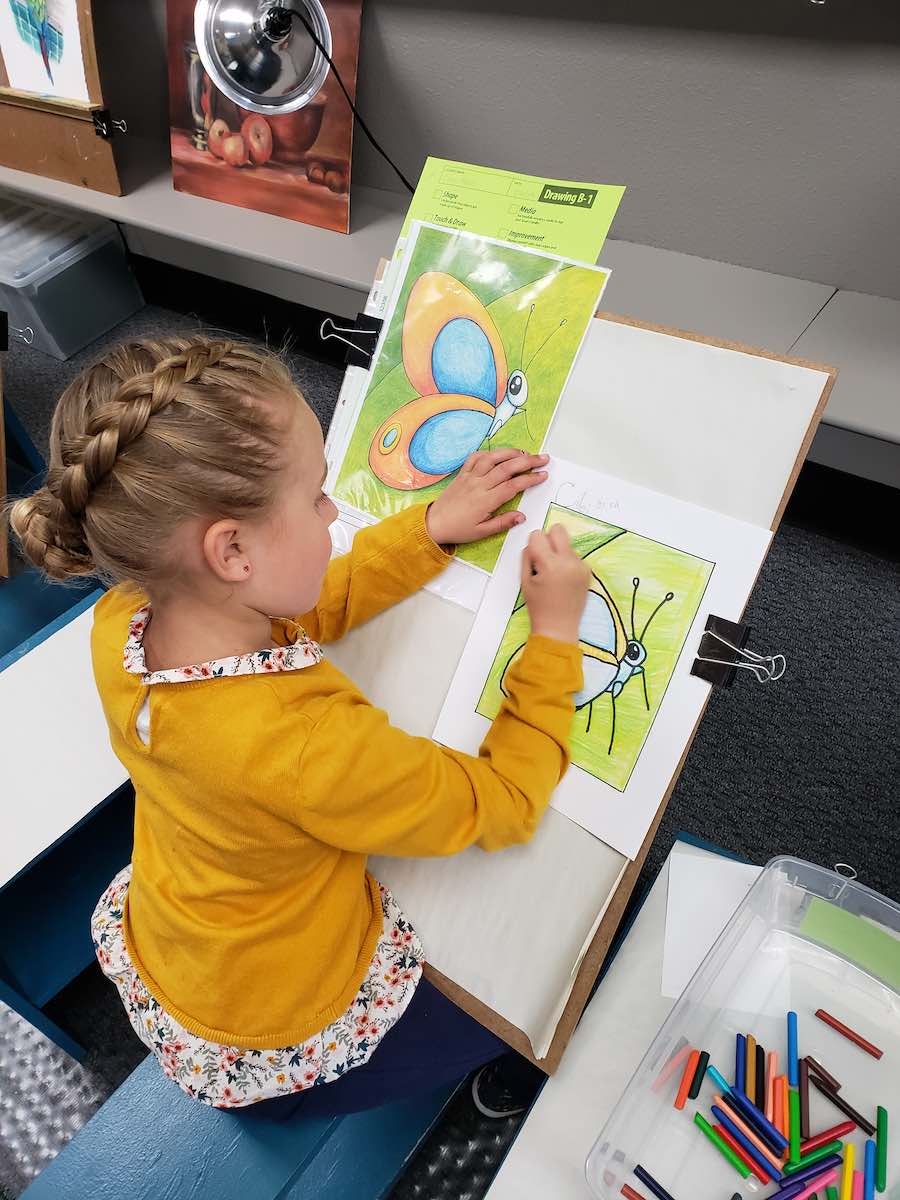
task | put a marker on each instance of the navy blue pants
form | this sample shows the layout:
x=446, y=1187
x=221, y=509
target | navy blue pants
x=433, y=1043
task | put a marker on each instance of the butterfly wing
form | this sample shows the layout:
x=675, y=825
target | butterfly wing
x=601, y=633
x=450, y=343
x=428, y=439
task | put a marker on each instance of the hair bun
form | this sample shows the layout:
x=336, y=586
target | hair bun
x=50, y=536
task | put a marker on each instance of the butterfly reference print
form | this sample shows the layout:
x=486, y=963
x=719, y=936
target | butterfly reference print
x=609, y=657
x=453, y=356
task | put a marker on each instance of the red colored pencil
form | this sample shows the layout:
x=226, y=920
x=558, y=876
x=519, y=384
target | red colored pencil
x=849, y=1033
x=671, y=1067
x=630, y=1194
x=818, y=1069
x=827, y=1135
x=742, y=1154
x=687, y=1079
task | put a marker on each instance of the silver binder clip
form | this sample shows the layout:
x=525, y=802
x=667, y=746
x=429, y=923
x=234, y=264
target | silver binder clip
x=25, y=335
x=766, y=667
x=360, y=338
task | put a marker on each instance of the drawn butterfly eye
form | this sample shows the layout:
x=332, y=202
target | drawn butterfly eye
x=389, y=438
x=635, y=654
x=517, y=389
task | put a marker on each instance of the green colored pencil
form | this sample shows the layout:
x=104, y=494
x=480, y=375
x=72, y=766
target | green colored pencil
x=831, y=1193
x=721, y=1145
x=807, y=1160
x=881, y=1152
x=794, y=1107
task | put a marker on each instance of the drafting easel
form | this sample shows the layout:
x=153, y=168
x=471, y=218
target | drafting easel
x=719, y=424
x=62, y=139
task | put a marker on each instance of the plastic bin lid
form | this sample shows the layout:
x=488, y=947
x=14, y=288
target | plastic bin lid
x=36, y=241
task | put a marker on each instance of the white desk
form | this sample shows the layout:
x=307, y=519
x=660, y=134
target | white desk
x=547, y=1158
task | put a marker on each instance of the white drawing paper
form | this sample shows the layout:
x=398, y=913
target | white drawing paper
x=40, y=42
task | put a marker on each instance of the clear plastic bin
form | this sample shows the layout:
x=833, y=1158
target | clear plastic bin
x=64, y=279
x=804, y=938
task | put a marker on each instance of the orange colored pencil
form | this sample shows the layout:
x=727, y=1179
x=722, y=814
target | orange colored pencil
x=776, y=1118
x=748, y=1133
x=785, y=1108
x=687, y=1078
x=771, y=1062
x=750, y=1076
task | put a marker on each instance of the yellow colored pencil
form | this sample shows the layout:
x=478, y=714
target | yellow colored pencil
x=847, y=1177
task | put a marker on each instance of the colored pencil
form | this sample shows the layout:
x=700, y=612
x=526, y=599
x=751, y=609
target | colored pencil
x=847, y=1176
x=767, y=1131
x=771, y=1068
x=760, y=1099
x=737, y=1160
x=803, y=1174
x=850, y=1034
x=647, y=1179
x=747, y=1129
x=882, y=1143
x=718, y=1079
x=857, y=1185
x=763, y=1176
x=827, y=1135
x=740, y=1061
x=679, y=1053
x=794, y=1102
x=777, y=1117
x=750, y=1069
x=630, y=1194
x=869, y=1170
x=818, y=1069
x=821, y=1182
x=792, y=1071
x=831, y=1193
x=785, y=1107
x=804, y=1098
x=839, y=1102
x=814, y=1156
x=744, y=1140
x=687, y=1078
x=697, y=1081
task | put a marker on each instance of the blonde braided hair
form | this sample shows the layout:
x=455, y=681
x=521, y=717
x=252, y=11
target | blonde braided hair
x=152, y=434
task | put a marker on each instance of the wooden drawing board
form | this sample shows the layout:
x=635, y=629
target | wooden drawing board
x=740, y=423
x=56, y=138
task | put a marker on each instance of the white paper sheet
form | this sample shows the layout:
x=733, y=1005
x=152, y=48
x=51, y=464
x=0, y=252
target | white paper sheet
x=23, y=38
x=618, y=815
x=703, y=894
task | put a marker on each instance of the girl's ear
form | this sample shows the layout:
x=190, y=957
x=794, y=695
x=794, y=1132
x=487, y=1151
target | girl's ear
x=225, y=552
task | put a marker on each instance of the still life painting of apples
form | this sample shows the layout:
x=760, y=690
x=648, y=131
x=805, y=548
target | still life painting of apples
x=291, y=164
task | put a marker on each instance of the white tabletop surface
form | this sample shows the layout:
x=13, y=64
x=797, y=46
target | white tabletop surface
x=547, y=1158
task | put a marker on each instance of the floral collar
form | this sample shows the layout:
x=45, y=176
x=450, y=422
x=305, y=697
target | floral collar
x=302, y=652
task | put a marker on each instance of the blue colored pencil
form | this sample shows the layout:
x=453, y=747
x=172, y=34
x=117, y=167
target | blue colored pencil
x=744, y=1142
x=740, y=1061
x=647, y=1179
x=718, y=1079
x=869, y=1171
x=770, y=1135
x=793, y=1061
x=810, y=1172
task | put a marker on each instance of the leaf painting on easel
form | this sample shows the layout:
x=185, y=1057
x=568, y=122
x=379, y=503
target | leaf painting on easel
x=643, y=597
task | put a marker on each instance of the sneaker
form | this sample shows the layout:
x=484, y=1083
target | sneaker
x=492, y=1096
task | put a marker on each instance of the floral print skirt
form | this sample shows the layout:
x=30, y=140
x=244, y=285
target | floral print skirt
x=232, y=1076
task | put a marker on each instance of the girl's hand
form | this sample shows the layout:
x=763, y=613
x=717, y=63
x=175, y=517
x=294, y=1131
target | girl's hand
x=555, y=582
x=465, y=510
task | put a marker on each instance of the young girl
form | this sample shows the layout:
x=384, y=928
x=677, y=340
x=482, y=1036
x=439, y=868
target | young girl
x=253, y=953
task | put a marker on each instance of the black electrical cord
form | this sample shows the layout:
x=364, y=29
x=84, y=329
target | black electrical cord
x=277, y=25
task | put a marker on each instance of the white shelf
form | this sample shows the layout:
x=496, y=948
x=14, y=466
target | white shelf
x=151, y=203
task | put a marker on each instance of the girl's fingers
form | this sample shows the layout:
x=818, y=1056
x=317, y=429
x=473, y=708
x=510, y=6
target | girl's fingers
x=517, y=464
x=559, y=539
x=512, y=487
x=500, y=523
x=485, y=460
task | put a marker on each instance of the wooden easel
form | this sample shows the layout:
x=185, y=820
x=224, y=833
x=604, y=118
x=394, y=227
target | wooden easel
x=57, y=138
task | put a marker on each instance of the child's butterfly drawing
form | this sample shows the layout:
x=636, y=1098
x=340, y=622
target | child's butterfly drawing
x=453, y=356
x=609, y=657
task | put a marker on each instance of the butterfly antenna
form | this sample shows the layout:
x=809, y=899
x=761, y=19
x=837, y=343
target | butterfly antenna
x=544, y=343
x=644, y=682
x=635, y=584
x=665, y=600
x=525, y=419
x=525, y=333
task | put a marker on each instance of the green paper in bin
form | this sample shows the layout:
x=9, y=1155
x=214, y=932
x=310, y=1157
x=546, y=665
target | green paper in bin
x=855, y=938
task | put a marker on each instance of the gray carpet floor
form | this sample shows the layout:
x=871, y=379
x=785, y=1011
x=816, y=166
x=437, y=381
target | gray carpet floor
x=807, y=766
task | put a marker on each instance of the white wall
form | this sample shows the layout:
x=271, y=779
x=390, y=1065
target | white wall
x=771, y=143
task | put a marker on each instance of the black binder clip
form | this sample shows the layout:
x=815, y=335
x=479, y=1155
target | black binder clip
x=722, y=653
x=359, y=338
